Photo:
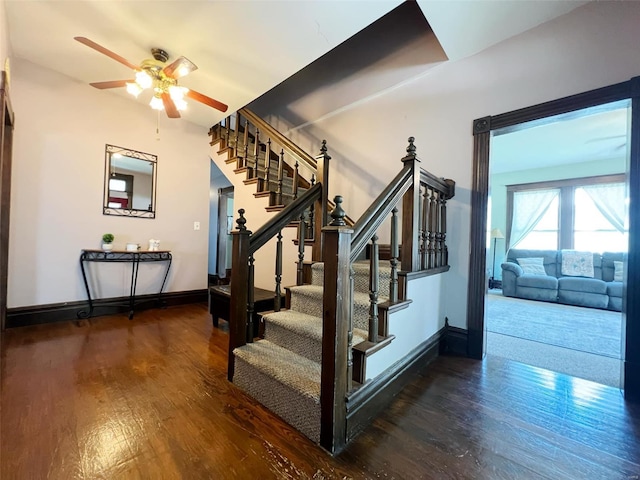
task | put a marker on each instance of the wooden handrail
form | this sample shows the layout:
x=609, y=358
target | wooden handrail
x=445, y=186
x=288, y=214
x=279, y=138
x=373, y=217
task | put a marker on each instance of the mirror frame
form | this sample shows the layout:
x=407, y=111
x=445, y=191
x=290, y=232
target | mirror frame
x=111, y=150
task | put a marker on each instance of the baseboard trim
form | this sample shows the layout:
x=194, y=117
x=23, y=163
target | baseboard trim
x=368, y=401
x=455, y=341
x=59, y=312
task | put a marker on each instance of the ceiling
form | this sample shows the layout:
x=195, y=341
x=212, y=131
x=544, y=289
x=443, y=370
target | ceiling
x=242, y=48
x=598, y=133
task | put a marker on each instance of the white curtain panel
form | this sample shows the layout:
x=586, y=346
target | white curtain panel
x=528, y=209
x=609, y=199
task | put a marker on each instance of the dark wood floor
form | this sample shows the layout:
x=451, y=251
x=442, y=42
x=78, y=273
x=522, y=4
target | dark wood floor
x=111, y=398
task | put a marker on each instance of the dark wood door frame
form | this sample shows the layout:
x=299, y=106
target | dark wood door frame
x=482, y=129
x=6, y=144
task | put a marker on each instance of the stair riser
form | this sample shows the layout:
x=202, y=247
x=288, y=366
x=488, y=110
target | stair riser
x=301, y=301
x=361, y=278
x=297, y=410
x=302, y=345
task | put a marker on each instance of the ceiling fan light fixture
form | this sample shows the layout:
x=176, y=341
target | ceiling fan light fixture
x=156, y=103
x=177, y=93
x=143, y=79
x=181, y=104
x=134, y=89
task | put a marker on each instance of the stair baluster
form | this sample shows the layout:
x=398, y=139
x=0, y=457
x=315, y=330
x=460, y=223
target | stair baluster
x=256, y=152
x=352, y=288
x=311, y=212
x=296, y=179
x=227, y=130
x=424, y=234
x=267, y=165
x=236, y=135
x=250, y=301
x=432, y=225
x=246, y=143
x=374, y=272
x=280, y=177
x=393, y=285
x=439, y=233
x=302, y=233
x=278, y=293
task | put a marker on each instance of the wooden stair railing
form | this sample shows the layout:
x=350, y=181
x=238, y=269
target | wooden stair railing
x=424, y=251
x=238, y=131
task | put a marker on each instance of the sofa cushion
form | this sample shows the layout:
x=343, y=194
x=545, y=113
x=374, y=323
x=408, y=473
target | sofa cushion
x=614, y=289
x=549, y=258
x=532, y=265
x=618, y=271
x=581, y=284
x=538, y=281
x=577, y=264
x=583, y=299
x=608, y=267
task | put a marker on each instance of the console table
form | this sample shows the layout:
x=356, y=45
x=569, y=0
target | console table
x=120, y=256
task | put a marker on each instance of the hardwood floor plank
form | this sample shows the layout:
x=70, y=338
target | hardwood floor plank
x=148, y=398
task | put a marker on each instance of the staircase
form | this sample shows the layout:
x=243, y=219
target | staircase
x=282, y=371
x=309, y=365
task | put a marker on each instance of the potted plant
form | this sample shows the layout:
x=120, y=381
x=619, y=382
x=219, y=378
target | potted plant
x=107, y=242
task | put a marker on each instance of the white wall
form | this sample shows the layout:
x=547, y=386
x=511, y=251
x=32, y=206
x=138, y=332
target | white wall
x=593, y=46
x=62, y=127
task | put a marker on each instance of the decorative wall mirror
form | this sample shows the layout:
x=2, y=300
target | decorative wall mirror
x=129, y=183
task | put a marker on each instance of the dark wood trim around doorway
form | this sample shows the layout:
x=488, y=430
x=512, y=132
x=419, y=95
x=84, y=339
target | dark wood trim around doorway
x=6, y=145
x=482, y=129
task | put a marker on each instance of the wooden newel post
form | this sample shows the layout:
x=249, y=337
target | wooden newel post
x=239, y=289
x=335, y=331
x=320, y=215
x=410, y=255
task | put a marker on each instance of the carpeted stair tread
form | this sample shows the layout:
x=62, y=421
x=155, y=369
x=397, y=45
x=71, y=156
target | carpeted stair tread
x=308, y=299
x=285, y=366
x=300, y=333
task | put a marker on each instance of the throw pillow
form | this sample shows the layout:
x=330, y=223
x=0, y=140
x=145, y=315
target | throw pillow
x=617, y=273
x=532, y=266
x=577, y=264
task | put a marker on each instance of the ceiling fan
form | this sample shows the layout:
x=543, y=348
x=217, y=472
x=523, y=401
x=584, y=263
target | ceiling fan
x=163, y=79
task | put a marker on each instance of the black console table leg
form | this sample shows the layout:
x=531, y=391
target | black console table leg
x=85, y=313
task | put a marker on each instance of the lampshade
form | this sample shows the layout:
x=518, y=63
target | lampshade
x=497, y=233
x=156, y=103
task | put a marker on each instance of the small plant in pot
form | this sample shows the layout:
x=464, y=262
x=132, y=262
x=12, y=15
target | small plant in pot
x=107, y=242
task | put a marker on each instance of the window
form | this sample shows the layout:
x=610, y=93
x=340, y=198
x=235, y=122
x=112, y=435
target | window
x=583, y=214
x=544, y=234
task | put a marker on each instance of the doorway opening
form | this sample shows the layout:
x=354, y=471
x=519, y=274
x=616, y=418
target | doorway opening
x=557, y=192
x=476, y=335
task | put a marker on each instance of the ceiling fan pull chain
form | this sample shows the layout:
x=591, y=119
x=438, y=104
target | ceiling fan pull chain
x=158, y=125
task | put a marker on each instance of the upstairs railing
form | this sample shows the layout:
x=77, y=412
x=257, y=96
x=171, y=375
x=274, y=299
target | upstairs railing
x=256, y=144
x=424, y=251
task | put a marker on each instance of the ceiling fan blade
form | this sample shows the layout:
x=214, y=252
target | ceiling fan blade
x=199, y=97
x=169, y=106
x=181, y=67
x=111, y=84
x=108, y=53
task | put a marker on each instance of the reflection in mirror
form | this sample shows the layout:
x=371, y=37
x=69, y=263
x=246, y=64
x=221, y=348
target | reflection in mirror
x=129, y=183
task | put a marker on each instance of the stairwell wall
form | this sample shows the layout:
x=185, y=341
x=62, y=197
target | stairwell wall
x=5, y=48
x=590, y=47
